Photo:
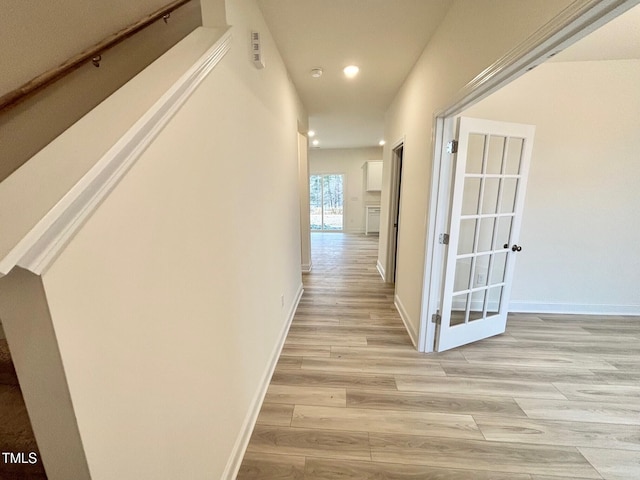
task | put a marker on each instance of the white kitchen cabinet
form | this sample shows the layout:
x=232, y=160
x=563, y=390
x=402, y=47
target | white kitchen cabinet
x=374, y=175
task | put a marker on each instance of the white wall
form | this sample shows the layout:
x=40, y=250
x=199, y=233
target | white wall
x=170, y=302
x=580, y=228
x=472, y=36
x=35, y=37
x=350, y=162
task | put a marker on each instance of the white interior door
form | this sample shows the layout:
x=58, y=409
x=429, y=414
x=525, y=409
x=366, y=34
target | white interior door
x=489, y=184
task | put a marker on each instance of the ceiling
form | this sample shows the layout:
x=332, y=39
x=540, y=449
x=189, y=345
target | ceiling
x=385, y=41
x=617, y=40
x=384, y=38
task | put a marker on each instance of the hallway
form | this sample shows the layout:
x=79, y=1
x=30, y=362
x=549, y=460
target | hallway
x=556, y=397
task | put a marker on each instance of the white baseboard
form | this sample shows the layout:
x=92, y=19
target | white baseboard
x=413, y=334
x=306, y=267
x=571, y=308
x=237, y=454
x=381, y=270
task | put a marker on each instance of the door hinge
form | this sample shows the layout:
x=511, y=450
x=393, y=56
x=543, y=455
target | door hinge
x=452, y=146
x=444, y=239
x=436, y=318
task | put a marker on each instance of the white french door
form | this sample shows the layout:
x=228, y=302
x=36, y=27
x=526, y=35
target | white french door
x=489, y=184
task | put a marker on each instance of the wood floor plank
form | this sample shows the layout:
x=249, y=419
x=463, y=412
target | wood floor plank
x=533, y=374
x=546, y=432
x=305, y=441
x=300, y=395
x=312, y=339
x=257, y=466
x=477, y=386
x=520, y=357
x=310, y=378
x=523, y=319
x=378, y=315
x=600, y=393
x=347, y=330
x=613, y=464
x=618, y=377
x=386, y=421
x=332, y=469
x=351, y=398
x=287, y=362
x=627, y=327
x=316, y=320
x=546, y=477
x=622, y=362
x=480, y=455
x=275, y=414
x=389, y=340
x=533, y=329
x=306, y=350
x=571, y=410
x=384, y=321
x=376, y=366
x=372, y=352
x=426, y=402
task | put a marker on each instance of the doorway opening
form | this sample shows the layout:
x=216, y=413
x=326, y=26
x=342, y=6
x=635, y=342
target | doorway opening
x=572, y=24
x=326, y=202
x=395, y=209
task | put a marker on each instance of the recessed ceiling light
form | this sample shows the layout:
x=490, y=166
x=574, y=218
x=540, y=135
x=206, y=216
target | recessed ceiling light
x=311, y=133
x=316, y=142
x=381, y=142
x=351, y=71
x=316, y=72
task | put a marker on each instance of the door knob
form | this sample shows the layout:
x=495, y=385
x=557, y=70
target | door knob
x=516, y=248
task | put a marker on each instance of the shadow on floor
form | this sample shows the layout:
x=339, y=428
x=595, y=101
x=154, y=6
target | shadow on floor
x=17, y=442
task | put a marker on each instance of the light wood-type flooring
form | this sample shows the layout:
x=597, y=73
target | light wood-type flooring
x=554, y=398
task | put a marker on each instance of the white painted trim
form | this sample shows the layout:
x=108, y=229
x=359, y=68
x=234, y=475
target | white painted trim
x=576, y=21
x=242, y=442
x=381, y=270
x=413, y=334
x=43, y=243
x=573, y=308
x=306, y=267
x=437, y=223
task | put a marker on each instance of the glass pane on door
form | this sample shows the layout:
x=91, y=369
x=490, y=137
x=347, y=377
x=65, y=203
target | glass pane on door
x=467, y=235
x=476, y=311
x=475, y=153
x=514, y=154
x=509, y=191
x=495, y=154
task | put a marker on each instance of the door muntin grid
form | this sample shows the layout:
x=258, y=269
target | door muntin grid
x=491, y=180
